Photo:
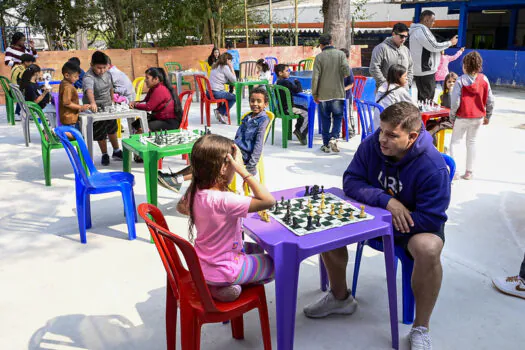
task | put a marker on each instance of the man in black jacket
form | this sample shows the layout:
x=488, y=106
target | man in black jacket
x=283, y=79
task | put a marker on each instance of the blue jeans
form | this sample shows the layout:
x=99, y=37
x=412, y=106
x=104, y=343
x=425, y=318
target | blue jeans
x=329, y=110
x=226, y=95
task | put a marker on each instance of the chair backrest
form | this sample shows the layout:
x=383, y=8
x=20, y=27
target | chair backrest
x=205, y=67
x=138, y=85
x=80, y=172
x=46, y=134
x=19, y=97
x=271, y=116
x=359, y=86
x=186, y=110
x=204, y=86
x=451, y=165
x=366, y=111
x=306, y=64
x=271, y=61
x=280, y=96
x=185, y=283
x=4, y=82
x=51, y=71
x=172, y=66
x=247, y=69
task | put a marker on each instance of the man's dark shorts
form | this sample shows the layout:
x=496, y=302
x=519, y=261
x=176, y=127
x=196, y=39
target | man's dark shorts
x=401, y=239
x=103, y=128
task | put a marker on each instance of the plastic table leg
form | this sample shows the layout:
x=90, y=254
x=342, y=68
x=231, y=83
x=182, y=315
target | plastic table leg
x=388, y=246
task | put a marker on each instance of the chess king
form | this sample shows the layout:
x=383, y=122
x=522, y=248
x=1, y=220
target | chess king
x=400, y=149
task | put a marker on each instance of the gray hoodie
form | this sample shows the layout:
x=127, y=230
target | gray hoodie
x=425, y=50
x=386, y=55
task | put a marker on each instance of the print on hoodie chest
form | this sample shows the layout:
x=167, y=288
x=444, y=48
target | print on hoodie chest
x=391, y=184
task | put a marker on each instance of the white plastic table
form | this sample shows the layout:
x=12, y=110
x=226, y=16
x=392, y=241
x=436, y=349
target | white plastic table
x=89, y=118
x=182, y=73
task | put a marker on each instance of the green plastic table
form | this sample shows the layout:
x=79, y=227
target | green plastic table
x=239, y=85
x=151, y=154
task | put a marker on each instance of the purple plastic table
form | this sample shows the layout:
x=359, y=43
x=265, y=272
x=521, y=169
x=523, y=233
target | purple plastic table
x=288, y=250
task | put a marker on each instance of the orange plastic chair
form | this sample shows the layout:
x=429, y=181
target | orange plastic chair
x=204, y=86
x=188, y=289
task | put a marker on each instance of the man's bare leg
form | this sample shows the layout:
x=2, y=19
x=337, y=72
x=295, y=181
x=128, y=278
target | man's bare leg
x=114, y=141
x=103, y=146
x=335, y=262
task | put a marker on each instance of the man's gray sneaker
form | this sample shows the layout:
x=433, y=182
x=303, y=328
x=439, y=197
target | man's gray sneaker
x=419, y=339
x=333, y=145
x=329, y=305
x=325, y=149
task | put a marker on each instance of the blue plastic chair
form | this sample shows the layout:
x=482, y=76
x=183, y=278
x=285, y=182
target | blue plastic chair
x=406, y=262
x=96, y=182
x=272, y=61
x=366, y=111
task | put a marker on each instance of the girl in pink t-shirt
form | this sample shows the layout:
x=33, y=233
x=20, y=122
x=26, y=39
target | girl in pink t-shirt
x=216, y=213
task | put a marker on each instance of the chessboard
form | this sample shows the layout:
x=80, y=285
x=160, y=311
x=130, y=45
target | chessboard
x=164, y=139
x=295, y=213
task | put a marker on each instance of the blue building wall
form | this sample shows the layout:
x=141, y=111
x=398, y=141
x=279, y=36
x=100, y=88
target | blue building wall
x=502, y=67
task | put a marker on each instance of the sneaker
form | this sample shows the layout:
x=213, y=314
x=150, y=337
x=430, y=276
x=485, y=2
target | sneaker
x=225, y=294
x=105, y=159
x=18, y=118
x=117, y=155
x=219, y=116
x=329, y=305
x=137, y=159
x=510, y=285
x=333, y=145
x=419, y=339
x=325, y=149
x=169, y=181
x=468, y=175
x=300, y=137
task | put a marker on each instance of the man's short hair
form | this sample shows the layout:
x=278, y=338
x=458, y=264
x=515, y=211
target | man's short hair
x=426, y=13
x=400, y=28
x=325, y=39
x=403, y=113
x=345, y=50
x=27, y=58
x=99, y=57
x=70, y=68
x=279, y=68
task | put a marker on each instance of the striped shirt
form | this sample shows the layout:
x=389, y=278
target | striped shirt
x=13, y=54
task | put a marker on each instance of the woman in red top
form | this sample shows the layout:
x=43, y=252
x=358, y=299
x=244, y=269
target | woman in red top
x=163, y=105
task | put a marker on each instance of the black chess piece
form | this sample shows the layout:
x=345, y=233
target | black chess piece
x=289, y=204
x=318, y=222
x=306, y=191
x=309, y=225
x=315, y=192
x=295, y=223
x=301, y=206
x=277, y=210
x=287, y=217
x=282, y=200
x=322, y=189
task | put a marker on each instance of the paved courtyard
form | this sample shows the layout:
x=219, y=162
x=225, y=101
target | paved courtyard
x=110, y=293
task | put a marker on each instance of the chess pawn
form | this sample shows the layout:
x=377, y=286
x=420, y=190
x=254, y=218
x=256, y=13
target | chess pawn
x=266, y=216
x=309, y=203
x=323, y=204
x=311, y=211
x=341, y=209
x=319, y=211
x=362, y=214
x=332, y=211
x=339, y=215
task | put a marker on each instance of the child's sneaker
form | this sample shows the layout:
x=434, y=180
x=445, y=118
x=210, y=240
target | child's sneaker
x=333, y=145
x=117, y=155
x=325, y=149
x=225, y=294
x=300, y=137
x=419, y=339
x=219, y=116
x=513, y=285
x=105, y=159
x=169, y=181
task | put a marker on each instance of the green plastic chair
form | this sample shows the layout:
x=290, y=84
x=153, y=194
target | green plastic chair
x=49, y=139
x=172, y=67
x=306, y=64
x=9, y=100
x=277, y=92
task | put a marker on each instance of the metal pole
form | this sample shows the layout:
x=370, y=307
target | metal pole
x=246, y=21
x=271, y=23
x=296, y=25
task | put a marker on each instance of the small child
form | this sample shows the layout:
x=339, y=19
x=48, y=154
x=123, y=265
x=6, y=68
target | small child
x=98, y=92
x=236, y=58
x=216, y=213
x=448, y=86
x=472, y=105
x=18, y=69
x=442, y=70
x=249, y=138
x=263, y=70
x=283, y=79
x=349, y=85
x=393, y=90
x=68, y=102
x=30, y=88
x=122, y=85
x=78, y=84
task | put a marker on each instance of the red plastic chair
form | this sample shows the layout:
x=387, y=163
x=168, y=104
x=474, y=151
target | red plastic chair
x=357, y=92
x=187, y=288
x=184, y=122
x=204, y=86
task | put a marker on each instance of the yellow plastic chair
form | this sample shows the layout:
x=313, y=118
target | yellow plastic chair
x=205, y=67
x=440, y=135
x=260, y=164
x=306, y=64
x=138, y=85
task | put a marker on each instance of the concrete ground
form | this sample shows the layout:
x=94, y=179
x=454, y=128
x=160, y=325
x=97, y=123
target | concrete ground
x=110, y=293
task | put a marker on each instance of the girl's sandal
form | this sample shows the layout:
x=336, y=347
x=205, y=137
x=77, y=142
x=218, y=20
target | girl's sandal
x=468, y=175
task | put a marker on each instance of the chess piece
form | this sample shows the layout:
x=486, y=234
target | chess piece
x=287, y=217
x=266, y=216
x=315, y=192
x=282, y=200
x=306, y=191
x=289, y=204
x=332, y=211
x=301, y=206
x=362, y=214
x=309, y=225
x=277, y=210
x=311, y=212
x=322, y=189
x=323, y=204
x=319, y=211
x=295, y=223
x=309, y=203
x=341, y=209
x=351, y=217
x=318, y=222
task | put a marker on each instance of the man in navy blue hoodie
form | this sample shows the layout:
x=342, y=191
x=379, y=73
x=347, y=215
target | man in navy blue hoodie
x=398, y=169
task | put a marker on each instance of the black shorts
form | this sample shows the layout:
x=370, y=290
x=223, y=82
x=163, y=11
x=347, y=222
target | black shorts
x=403, y=239
x=158, y=124
x=103, y=128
